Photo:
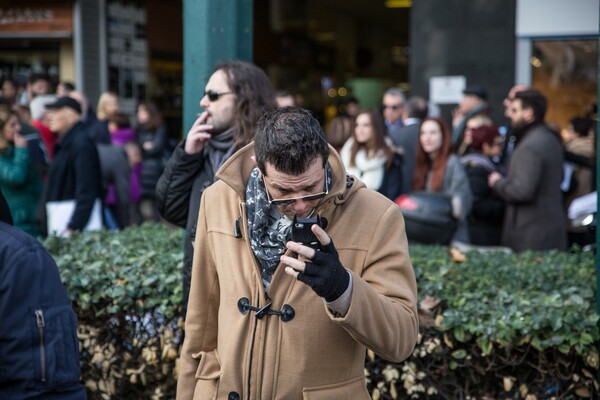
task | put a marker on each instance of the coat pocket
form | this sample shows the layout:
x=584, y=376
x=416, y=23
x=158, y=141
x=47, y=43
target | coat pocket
x=56, y=349
x=351, y=389
x=207, y=374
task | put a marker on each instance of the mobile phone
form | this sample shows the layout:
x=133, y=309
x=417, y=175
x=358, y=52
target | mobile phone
x=302, y=233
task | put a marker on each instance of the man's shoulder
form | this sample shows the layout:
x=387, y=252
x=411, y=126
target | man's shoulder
x=13, y=241
x=404, y=134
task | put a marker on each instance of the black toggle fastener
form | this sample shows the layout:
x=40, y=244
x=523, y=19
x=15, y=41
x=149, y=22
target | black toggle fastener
x=287, y=313
x=237, y=231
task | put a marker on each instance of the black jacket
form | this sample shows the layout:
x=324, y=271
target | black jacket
x=152, y=160
x=39, y=356
x=75, y=174
x=393, y=178
x=178, y=194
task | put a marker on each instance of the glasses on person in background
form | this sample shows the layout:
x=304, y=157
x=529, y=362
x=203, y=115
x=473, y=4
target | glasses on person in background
x=213, y=95
x=292, y=200
x=393, y=107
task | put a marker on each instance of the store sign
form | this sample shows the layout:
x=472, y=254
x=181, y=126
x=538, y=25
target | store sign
x=37, y=18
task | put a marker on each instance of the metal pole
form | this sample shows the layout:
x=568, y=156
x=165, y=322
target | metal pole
x=213, y=31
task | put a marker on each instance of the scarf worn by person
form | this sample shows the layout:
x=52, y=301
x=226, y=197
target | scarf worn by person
x=268, y=230
x=219, y=148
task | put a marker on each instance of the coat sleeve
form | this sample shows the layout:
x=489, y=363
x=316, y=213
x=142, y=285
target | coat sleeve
x=526, y=169
x=174, y=187
x=14, y=171
x=201, y=324
x=88, y=183
x=383, y=310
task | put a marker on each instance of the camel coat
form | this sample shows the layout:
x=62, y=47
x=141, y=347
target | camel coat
x=307, y=353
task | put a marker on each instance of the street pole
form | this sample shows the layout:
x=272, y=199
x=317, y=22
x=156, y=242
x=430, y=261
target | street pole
x=213, y=31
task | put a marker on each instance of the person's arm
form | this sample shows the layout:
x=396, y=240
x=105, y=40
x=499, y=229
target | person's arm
x=14, y=171
x=174, y=187
x=156, y=146
x=87, y=190
x=382, y=314
x=522, y=181
x=201, y=324
x=121, y=178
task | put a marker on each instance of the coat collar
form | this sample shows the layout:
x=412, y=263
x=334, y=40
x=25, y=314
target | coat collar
x=236, y=170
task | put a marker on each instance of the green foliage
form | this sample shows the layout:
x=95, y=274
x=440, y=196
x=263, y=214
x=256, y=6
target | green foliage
x=126, y=289
x=494, y=326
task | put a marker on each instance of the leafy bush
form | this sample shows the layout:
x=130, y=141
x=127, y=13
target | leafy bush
x=494, y=326
x=126, y=289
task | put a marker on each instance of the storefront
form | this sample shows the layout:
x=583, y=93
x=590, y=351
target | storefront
x=36, y=37
x=557, y=53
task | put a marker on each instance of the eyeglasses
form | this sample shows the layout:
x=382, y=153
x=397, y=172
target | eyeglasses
x=292, y=200
x=394, y=107
x=214, y=96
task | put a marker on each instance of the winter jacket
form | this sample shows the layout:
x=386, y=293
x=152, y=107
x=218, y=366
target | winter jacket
x=152, y=159
x=306, y=352
x=178, y=194
x=22, y=186
x=487, y=213
x=75, y=174
x=535, y=218
x=39, y=356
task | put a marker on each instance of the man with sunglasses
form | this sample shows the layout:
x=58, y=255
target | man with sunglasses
x=393, y=107
x=269, y=317
x=235, y=96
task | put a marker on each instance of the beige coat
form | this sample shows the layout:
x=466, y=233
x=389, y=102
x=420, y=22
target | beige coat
x=228, y=354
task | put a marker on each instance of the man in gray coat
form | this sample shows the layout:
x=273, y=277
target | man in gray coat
x=534, y=218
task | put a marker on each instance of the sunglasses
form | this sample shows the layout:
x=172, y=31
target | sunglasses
x=395, y=107
x=214, y=96
x=292, y=200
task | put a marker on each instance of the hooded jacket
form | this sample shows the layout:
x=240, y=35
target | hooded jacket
x=296, y=348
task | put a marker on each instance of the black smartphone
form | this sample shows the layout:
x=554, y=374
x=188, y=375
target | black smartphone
x=302, y=233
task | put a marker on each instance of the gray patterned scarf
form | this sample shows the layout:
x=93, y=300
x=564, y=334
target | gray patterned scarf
x=268, y=230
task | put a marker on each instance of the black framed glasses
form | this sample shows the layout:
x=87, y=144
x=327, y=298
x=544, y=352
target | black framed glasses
x=292, y=200
x=394, y=107
x=214, y=96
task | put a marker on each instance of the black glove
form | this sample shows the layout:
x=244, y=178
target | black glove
x=325, y=274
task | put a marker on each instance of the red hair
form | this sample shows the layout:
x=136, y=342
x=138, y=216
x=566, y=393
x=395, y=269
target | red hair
x=424, y=164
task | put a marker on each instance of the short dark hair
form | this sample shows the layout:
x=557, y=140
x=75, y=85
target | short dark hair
x=535, y=100
x=290, y=139
x=581, y=125
x=120, y=119
x=416, y=107
x=254, y=96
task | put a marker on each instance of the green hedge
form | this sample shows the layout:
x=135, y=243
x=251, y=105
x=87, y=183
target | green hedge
x=494, y=326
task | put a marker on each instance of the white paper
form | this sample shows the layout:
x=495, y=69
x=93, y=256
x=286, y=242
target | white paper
x=59, y=214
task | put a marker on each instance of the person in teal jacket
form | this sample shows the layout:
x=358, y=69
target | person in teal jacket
x=20, y=181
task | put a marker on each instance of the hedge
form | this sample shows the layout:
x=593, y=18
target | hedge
x=492, y=325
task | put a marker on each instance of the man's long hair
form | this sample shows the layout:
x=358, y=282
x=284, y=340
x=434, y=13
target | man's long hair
x=437, y=167
x=254, y=97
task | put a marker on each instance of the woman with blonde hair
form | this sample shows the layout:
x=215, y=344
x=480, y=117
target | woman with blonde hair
x=108, y=105
x=370, y=155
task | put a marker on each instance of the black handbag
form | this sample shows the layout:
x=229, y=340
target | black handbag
x=427, y=217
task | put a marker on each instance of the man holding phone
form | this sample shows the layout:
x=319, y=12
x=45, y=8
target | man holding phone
x=269, y=317
x=236, y=95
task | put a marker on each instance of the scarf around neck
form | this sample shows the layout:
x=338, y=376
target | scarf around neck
x=219, y=148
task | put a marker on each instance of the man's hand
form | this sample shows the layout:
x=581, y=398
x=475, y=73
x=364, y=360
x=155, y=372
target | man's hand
x=493, y=178
x=321, y=270
x=198, y=135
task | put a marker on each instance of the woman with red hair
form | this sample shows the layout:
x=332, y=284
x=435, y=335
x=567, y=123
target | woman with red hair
x=438, y=170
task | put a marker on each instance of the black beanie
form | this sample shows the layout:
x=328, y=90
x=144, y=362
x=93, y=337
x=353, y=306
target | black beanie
x=5, y=215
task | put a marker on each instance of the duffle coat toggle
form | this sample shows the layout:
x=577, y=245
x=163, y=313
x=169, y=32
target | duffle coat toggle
x=287, y=312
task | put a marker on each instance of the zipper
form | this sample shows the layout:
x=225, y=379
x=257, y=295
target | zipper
x=39, y=315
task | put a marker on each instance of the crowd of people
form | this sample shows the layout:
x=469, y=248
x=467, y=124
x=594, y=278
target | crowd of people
x=263, y=192
x=55, y=146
